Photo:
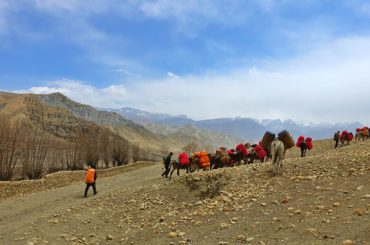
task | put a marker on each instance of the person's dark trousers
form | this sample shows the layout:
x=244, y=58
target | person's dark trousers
x=166, y=170
x=88, y=186
x=303, y=152
x=336, y=143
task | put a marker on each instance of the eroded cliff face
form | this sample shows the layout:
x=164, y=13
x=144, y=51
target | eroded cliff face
x=56, y=120
x=85, y=112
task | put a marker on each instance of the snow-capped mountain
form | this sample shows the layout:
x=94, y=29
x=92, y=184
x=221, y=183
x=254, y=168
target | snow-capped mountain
x=242, y=128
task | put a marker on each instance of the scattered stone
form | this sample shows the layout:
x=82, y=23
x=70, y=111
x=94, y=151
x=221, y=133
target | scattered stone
x=171, y=234
x=250, y=239
x=347, y=242
x=311, y=230
x=360, y=211
x=223, y=225
x=241, y=238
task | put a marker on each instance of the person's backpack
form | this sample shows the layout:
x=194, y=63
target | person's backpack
x=336, y=136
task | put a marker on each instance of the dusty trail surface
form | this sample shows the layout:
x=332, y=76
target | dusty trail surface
x=321, y=199
x=19, y=214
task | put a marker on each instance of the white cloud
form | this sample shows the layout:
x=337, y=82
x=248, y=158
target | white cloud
x=43, y=90
x=328, y=84
x=171, y=74
x=124, y=71
x=116, y=92
x=111, y=96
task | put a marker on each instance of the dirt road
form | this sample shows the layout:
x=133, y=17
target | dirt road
x=18, y=214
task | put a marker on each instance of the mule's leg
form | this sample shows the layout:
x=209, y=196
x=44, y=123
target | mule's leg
x=280, y=171
x=274, y=164
x=178, y=172
x=173, y=169
x=275, y=168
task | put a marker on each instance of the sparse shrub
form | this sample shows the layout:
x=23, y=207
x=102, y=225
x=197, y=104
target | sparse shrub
x=136, y=153
x=34, y=151
x=9, y=148
x=120, y=150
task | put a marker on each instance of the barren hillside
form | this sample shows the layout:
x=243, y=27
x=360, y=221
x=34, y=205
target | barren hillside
x=64, y=118
x=321, y=199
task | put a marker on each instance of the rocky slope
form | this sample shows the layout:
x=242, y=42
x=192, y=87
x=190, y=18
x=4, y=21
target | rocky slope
x=321, y=199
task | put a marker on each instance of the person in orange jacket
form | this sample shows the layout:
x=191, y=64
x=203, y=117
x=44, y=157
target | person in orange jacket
x=90, y=178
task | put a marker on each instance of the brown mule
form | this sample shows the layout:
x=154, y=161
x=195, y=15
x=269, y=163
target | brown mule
x=177, y=166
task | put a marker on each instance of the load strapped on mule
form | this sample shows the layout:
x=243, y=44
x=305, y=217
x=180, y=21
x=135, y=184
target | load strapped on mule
x=346, y=136
x=308, y=141
x=362, y=133
x=241, y=149
x=358, y=130
x=299, y=141
x=203, y=159
x=268, y=137
x=230, y=152
x=261, y=153
x=287, y=139
x=184, y=159
x=222, y=152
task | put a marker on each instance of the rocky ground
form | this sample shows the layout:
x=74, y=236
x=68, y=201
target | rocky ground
x=321, y=199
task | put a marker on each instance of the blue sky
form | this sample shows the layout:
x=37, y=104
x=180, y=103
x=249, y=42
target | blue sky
x=206, y=58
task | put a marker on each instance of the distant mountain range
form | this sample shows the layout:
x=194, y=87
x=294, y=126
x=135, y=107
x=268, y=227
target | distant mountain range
x=63, y=119
x=247, y=129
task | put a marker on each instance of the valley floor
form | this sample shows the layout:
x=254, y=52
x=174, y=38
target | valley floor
x=321, y=199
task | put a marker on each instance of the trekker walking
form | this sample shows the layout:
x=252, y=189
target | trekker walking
x=167, y=165
x=90, y=179
x=336, y=138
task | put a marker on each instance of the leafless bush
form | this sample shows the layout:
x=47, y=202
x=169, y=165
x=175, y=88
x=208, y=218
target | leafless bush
x=9, y=150
x=90, y=145
x=136, y=153
x=34, y=151
x=120, y=150
x=73, y=155
x=66, y=155
x=55, y=156
x=105, y=149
